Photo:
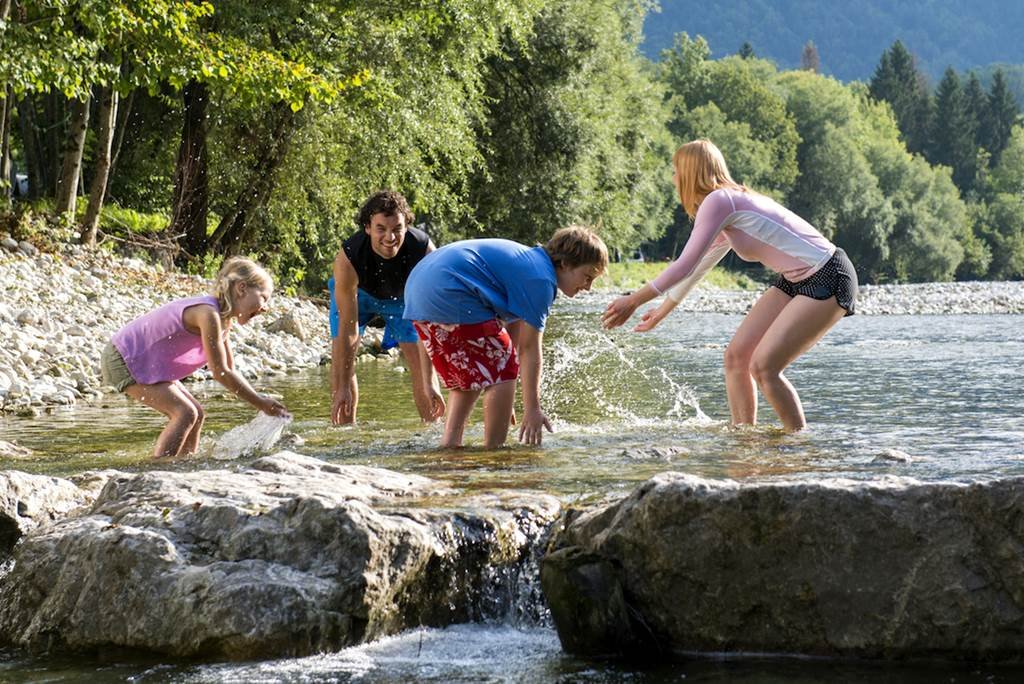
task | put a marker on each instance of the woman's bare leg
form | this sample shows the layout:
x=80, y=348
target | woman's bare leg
x=498, y=402
x=739, y=384
x=181, y=413
x=798, y=328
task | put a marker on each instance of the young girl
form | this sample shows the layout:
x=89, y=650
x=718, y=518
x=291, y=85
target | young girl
x=816, y=287
x=147, y=358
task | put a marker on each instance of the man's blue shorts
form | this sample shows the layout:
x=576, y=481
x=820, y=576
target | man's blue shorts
x=396, y=329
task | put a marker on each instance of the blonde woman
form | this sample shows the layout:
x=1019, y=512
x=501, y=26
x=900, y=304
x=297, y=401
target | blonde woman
x=147, y=358
x=816, y=286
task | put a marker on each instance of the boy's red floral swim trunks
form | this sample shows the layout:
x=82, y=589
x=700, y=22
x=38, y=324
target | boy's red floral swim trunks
x=470, y=357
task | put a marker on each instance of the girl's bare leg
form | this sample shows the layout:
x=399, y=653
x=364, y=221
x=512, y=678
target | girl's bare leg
x=739, y=383
x=498, y=402
x=191, y=443
x=181, y=413
x=798, y=328
x=460, y=405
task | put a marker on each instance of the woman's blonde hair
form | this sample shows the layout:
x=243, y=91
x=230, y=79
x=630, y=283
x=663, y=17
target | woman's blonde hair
x=700, y=170
x=237, y=270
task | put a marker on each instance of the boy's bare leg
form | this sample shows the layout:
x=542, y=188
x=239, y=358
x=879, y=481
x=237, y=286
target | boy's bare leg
x=498, y=403
x=460, y=405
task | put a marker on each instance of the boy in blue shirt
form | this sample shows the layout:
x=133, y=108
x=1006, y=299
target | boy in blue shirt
x=479, y=307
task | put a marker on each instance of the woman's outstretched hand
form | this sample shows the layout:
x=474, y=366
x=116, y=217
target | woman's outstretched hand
x=618, y=312
x=652, y=317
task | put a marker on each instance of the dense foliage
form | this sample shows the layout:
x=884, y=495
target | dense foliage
x=259, y=126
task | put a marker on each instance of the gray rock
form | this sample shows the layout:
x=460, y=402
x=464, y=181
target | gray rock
x=289, y=323
x=27, y=248
x=29, y=501
x=890, y=569
x=290, y=557
x=10, y=244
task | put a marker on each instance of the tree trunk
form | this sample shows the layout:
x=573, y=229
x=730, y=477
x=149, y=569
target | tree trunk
x=5, y=129
x=191, y=206
x=32, y=147
x=234, y=229
x=53, y=130
x=6, y=181
x=121, y=125
x=67, y=184
x=98, y=186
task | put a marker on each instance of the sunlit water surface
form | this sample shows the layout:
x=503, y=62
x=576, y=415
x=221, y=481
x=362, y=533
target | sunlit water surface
x=930, y=397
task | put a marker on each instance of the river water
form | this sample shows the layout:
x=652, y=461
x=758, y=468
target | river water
x=930, y=397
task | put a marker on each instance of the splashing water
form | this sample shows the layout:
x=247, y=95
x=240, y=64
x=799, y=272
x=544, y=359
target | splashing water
x=568, y=377
x=258, y=435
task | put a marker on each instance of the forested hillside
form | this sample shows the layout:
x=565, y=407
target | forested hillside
x=850, y=35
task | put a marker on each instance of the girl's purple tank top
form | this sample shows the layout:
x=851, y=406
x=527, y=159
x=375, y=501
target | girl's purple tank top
x=158, y=348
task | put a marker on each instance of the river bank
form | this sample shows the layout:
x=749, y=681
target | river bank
x=58, y=311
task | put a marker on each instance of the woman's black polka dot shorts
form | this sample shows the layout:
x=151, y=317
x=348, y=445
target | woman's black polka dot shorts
x=837, y=278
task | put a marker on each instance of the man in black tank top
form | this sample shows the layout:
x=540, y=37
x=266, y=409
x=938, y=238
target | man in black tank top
x=369, y=281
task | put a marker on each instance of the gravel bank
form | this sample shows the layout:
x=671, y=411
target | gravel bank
x=58, y=311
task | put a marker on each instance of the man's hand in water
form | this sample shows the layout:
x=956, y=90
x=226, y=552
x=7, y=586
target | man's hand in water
x=343, y=408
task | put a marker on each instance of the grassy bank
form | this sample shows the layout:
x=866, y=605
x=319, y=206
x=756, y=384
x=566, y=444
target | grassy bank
x=631, y=275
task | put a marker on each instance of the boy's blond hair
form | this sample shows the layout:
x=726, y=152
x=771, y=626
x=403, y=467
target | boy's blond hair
x=575, y=246
x=237, y=270
x=700, y=170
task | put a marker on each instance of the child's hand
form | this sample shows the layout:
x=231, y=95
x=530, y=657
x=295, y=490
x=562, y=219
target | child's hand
x=272, y=407
x=532, y=429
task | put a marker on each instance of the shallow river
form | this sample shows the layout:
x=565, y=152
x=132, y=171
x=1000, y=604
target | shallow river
x=930, y=397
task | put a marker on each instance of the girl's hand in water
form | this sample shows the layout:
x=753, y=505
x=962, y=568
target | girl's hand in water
x=272, y=407
x=618, y=312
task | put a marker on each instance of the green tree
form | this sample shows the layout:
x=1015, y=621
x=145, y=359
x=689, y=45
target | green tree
x=574, y=130
x=953, y=132
x=746, y=51
x=898, y=81
x=1001, y=115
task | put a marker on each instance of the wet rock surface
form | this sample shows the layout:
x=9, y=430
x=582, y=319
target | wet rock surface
x=31, y=501
x=892, y=569
x=290, y=556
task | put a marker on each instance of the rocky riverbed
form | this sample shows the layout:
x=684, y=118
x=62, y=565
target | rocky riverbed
x=58, y=310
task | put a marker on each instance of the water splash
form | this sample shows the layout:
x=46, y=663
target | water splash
x=258, y=435
x=586, y=363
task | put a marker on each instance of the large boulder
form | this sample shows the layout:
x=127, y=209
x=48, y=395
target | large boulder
x=292, y=556
x=29, y=501
x=889, y=569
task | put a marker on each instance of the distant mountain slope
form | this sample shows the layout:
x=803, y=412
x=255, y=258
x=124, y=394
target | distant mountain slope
x=850, y=35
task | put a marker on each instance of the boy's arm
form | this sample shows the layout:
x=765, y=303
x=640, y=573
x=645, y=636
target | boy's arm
x=529, y=344
x=344, y=390
x=207, y=320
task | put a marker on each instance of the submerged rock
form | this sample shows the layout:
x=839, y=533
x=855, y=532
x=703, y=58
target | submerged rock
x=889, y=569
x=292, y=556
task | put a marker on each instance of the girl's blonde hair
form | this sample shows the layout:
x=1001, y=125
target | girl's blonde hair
x=700, y=170
x=237, y=270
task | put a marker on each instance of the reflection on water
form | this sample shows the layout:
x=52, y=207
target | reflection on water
x=932, y=397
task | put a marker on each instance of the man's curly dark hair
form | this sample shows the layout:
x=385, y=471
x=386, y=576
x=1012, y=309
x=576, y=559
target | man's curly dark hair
x=387, y=202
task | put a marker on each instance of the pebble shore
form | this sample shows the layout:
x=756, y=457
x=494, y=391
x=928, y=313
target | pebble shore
x=59, y=310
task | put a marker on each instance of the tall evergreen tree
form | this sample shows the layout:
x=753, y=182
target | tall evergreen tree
x=898, y=81
x=952, y=140
x=746, y=51
x=809, y=59
x=1002, y=113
